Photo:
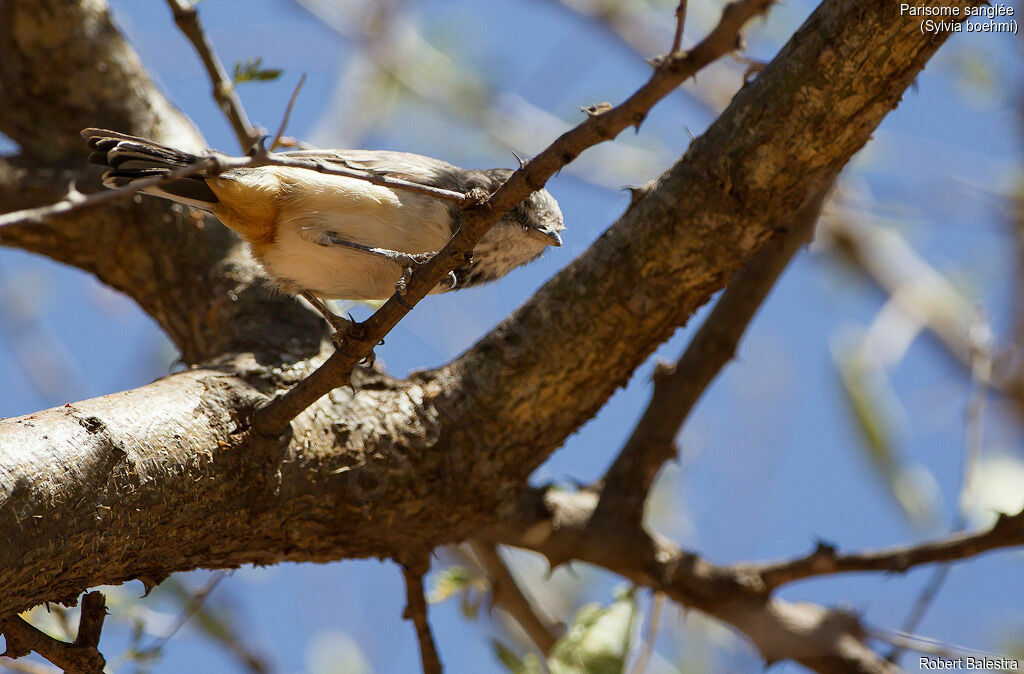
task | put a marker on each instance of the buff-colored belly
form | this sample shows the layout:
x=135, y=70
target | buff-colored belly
x=330, y=272
x=310, y=205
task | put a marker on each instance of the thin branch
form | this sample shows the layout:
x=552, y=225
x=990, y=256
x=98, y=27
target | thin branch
x=187, y=19
x=635, y=27
x=81, y=657
x=973, y=437
x=75, y=200
x=416, y=610
x=287, y=114
x=214, y=624
x=1008, y=531
x=510, y=597
x=647, y=648
x=90, y=624
x=193, y=605
x=677, y=40
x=678, y=387
x=606, y=124
x=23, y=667
x=913, y=642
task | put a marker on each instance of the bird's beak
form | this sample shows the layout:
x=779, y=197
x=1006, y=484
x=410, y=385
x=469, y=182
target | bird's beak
x=549, y=236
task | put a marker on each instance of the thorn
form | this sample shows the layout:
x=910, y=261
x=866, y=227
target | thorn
x=259, y=148
x=636, y=194
x=597, y=109
x=521, y=161
x=149, y=583
x=824, y=549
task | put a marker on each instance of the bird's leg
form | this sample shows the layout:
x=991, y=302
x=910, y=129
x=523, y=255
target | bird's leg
x=407, y=261
x=339, y=323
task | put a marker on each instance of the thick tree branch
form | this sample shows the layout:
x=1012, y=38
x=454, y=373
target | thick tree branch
x=72, y=68
x=678, y=387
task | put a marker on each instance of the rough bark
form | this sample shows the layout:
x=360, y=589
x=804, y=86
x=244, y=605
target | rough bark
x=165, y=478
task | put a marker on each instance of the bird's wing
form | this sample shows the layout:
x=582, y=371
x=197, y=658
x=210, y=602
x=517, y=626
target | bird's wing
x=404, y=165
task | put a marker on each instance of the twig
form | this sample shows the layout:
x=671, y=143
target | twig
x=75, y=200
x=287, y=114
x=216, y=626
x=647, y=648
x=416, y=610
x=678, y=387
x=194, y=604
x=669, y=72
x=81, y=657
x=1008, y=531
x=90, y=624
x=942, y=649
x=510, y=597
x=677, y=40
x=20, y=667
x=634, y=27
x=187, y=19
x=973, y=435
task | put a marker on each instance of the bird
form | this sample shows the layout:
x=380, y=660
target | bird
x=328, y=237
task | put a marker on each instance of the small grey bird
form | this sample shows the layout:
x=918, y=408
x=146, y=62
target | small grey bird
x=331, y=237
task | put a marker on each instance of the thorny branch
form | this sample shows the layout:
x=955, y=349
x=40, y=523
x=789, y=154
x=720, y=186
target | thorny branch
x=603, y=123
x=1008, y=531
x=416, y=611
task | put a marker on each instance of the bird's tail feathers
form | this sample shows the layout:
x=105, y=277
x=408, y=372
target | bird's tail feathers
x=130, y=158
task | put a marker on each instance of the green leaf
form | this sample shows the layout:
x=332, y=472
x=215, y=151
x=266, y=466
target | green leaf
x=252, y=70
x=471, y=604
x=598, y=639
x=456, y=579
x=872, y=402
x=528, y=664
